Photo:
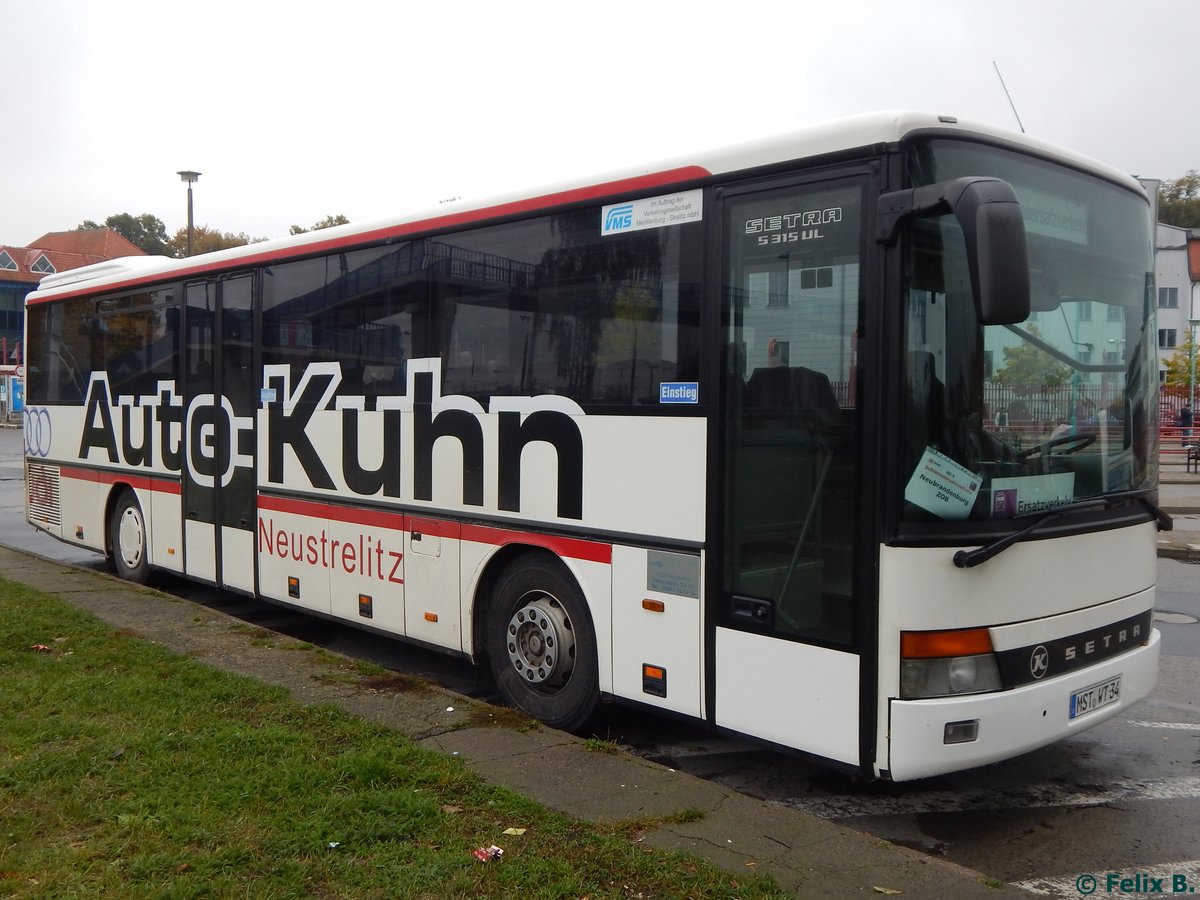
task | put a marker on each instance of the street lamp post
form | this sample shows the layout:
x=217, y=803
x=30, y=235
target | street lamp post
x=190, y=178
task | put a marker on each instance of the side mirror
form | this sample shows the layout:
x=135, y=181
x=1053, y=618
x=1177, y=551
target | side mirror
x=990, y=217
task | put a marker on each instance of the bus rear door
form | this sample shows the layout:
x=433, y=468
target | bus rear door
x=218, y=471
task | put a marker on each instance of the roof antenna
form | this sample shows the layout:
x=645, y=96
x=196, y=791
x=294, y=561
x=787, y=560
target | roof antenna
x=1008, y=95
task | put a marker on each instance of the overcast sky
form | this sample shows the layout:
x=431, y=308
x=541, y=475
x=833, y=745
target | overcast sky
x=297, y=110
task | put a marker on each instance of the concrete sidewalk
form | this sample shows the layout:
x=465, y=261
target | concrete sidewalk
x=1179, y=496
x=807, y=856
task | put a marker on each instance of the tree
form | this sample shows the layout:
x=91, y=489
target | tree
x=1179, y=201
x=206, y=240
x=1179, y=363
x=327, y=222
x=1027, y=365
x=145, y=231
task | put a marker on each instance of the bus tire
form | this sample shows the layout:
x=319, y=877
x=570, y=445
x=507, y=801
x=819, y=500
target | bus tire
x=541, y=645
x=127, y=539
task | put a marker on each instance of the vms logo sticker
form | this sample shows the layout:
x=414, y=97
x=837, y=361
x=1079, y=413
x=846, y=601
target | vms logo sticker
x=617, y=218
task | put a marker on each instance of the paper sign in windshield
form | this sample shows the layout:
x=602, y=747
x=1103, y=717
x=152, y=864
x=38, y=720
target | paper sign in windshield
x=943, y=487
x=1031, y=493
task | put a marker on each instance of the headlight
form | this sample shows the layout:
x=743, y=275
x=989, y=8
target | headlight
x=947, y=663
x=948, y=677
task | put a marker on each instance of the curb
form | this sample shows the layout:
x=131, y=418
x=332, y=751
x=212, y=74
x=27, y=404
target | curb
x=1183, y=552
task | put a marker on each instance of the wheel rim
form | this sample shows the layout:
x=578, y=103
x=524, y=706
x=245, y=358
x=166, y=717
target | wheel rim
x=131, y=537
x=541, y=641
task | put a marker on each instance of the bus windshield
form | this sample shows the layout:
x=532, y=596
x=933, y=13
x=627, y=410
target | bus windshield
x=1002, y=421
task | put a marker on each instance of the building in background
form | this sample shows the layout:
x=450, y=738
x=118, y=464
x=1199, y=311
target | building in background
x=1176, y=276
x=21, y=268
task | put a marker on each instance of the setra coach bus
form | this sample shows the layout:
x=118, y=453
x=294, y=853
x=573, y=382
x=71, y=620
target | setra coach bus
x=844, y=440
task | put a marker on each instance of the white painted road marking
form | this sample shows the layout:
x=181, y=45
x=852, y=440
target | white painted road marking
x=1177, y=726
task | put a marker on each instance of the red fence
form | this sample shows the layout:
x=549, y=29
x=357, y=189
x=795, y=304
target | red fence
x=1174, y=437
x=1034, y=411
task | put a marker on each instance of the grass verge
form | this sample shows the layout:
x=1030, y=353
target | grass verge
x=129, y=771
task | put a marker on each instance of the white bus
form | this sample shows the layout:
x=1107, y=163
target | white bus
x=844, y=440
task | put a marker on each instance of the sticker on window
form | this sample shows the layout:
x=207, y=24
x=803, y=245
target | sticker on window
x=1031, y=493
x=679, y=392
x=652, y=212
x=941, y=486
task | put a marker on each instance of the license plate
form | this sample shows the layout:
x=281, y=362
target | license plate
x=1096, y=696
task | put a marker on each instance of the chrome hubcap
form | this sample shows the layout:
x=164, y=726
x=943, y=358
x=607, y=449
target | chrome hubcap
x=541, y=641
x=131, y=538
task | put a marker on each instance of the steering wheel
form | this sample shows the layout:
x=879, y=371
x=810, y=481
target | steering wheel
x=1077, y=442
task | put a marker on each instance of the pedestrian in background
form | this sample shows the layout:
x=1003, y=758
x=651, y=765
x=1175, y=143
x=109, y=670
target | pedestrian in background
x=1184, y=421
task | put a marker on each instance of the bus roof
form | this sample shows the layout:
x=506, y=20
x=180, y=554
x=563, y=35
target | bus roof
x=861, y=131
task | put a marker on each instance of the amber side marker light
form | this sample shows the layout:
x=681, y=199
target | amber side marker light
x=654, y=680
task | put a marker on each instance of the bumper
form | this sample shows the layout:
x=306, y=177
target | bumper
x=1010, y=722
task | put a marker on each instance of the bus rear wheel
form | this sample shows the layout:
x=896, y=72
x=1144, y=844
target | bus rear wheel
x=127, y=539
x=541, y=645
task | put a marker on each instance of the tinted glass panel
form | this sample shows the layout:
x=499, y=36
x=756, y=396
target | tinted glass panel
x=545, y=306
x=136, y=340
x=59, y=361
x=548, y=306
x=790, y=429
x=368, y=309
x=1004, y=420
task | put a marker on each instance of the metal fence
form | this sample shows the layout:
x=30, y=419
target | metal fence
x=1018, y=403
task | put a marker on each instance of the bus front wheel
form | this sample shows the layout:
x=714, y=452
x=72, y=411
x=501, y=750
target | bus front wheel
x=541, y=645
x=127, y=539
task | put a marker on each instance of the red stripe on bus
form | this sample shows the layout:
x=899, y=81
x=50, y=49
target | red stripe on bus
x=78, y=474
x=141, y=482
x=318, y=510
x=574, y=548
x=637, y=184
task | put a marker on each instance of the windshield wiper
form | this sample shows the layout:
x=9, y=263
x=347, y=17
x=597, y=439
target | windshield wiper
x=966, y=559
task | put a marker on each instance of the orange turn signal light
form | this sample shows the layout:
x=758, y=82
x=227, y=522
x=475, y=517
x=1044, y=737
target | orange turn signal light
x=938, y=644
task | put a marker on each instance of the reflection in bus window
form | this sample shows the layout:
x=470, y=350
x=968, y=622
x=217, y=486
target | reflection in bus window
x=548, y=306
x=791, y=434
x=1034, y=415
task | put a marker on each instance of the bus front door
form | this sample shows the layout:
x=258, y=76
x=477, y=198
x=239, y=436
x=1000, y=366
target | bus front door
x=218, y=474
x=787, y=663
